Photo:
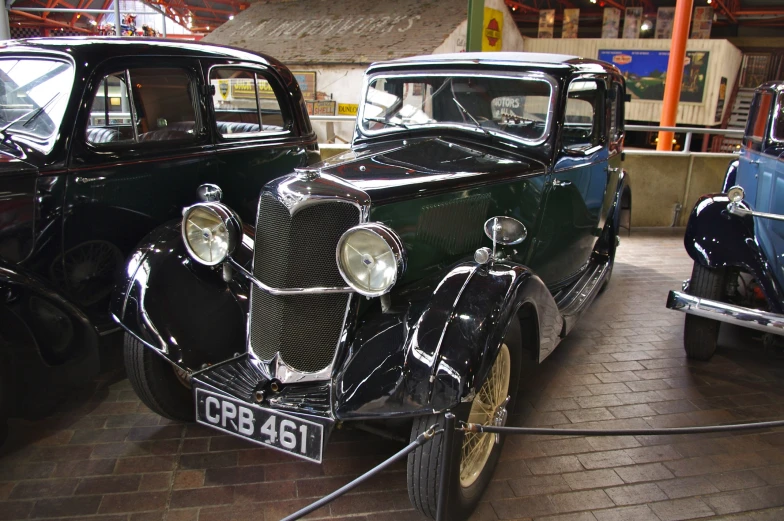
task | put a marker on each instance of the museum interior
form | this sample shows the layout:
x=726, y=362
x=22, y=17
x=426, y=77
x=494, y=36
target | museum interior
x=405, y=260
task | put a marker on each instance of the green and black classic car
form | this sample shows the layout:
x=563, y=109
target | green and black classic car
x=472, y=222
x=101, y=141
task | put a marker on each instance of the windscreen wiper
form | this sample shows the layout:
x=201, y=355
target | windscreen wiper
x=463, y=109
x=30, y=115
x=387, y=122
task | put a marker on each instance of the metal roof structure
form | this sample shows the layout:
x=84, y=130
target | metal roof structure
x=203, y=16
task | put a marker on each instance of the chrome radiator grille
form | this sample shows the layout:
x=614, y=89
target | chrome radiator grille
x=298, y=252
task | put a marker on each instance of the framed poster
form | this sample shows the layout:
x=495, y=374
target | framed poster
x=307, y=83
x=701, y=23
x=611, y=22
x=646, y=72
x=571, y=21
x=546, y=23
x=665, y=17
x=632, y=22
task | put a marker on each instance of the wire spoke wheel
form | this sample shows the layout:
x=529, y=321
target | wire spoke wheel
x=477, y=447
x=87, y=270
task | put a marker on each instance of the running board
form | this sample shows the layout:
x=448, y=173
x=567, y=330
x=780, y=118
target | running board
x=573, y=302
x=720, y=311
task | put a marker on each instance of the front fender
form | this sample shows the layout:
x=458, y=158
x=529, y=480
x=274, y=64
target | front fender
x=434, y=352
x=179, y=308
x=715, y=238
x=47, y=343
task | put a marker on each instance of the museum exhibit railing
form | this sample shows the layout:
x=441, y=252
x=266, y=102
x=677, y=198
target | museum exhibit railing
x=687, y=132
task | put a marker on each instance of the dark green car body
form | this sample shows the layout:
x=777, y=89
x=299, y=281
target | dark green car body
x=275, y=326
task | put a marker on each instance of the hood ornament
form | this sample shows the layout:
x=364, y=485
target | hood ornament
x=308, y=174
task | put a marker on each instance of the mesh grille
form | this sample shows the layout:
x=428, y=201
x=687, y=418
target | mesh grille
x=299, y=252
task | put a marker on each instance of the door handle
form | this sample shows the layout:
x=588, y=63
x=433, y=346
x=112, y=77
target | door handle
x=87, y=180
x=557, y=182
x=613, y=170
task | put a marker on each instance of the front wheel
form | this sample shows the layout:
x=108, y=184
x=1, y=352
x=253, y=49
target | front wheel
x=156, y=383
x=475, y=455
x=700, y=334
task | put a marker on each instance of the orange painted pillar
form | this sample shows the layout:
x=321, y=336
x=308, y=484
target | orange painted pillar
x=672, y=86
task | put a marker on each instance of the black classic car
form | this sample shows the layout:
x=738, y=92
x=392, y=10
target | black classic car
x=736, y=239
x=473, y=221
x=102, y=140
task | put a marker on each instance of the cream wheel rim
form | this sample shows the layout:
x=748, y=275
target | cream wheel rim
x=477, y=447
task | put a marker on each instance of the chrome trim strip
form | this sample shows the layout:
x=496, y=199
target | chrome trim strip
x=286, y=291
x=735, y=209
x=723, y=312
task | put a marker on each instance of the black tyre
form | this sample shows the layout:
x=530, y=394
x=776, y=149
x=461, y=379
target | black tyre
x=156, y=383
x=469, y=475
x=700, y=334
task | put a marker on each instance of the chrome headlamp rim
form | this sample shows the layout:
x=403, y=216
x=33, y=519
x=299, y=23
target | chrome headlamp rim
x=230, y=220
x=736, y=194
x=393, y=241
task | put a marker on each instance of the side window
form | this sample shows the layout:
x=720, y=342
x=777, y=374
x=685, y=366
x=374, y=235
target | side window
x=245, y=103
x=158, y=106
x=758, y=121
x=583, y=125
x=110, y=114
x=615, y=113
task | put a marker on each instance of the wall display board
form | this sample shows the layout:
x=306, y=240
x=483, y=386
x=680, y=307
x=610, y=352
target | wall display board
x=665, y=17
x=546, y=23
x=701, y=23
x=632, y=22
x=571, y=21
x=646, y=72
x=322, y=108
x=611, y=22
x=493, y=28
x=722, y=98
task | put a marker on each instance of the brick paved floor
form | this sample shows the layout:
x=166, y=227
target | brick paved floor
x=105, y=456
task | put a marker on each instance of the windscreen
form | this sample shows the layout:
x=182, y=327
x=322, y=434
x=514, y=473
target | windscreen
x=33, y=95
x=518, y=106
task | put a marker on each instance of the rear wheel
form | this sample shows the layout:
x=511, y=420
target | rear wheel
x=700, y=334
x=156, y=383
x=474, y=455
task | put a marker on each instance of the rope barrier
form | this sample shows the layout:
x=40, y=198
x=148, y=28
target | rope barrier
x=450, y=427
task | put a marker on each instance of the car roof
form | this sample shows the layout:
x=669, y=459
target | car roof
x=108, y=45
x=546, y=60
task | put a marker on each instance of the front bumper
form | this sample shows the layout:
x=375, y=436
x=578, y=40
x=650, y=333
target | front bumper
x=723, y=312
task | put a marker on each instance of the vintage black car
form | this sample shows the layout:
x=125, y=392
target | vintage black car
x=102, y=140
x=736, y=238
x=472, y=222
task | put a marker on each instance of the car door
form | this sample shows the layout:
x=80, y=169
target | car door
x=256, y=139
x=764, y=157
x=577, y=185
x=140, y=150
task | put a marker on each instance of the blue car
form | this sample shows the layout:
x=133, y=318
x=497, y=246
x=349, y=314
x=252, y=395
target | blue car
x=736, y=238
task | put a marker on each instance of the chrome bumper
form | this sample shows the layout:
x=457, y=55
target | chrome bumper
x=713, y=309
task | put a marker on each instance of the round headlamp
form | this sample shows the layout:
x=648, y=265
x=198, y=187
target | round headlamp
x=371, y=258
x=210, y=231
x=736, y=194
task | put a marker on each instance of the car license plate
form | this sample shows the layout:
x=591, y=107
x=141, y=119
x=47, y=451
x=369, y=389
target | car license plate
x=273, y=429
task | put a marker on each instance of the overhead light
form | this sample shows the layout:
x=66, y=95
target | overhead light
x=93, y=22
x=646, y=26
x=231, y=17
x=208, y=27
x=709, y=1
